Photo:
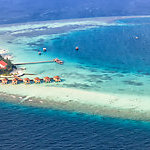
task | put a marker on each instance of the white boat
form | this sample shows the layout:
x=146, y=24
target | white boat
x=44, y=49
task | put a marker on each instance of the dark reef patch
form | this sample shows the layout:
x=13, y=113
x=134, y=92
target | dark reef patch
x=74, y=75
x=147, y=73
x=119, y=75
x=91, y=81
x=121, y=89
x=35, y=44
x=93, y=70
x=78, y=85
x=9, y=42
x=101, y=77
x=81, y=67
x=112, y=71
x=40, y=40
x=133, y=83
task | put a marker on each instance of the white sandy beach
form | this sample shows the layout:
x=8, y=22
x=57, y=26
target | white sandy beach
x=118, y=105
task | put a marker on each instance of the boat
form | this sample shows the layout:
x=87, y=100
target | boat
x=39, y=53
x=77, y=48
x=44, y=49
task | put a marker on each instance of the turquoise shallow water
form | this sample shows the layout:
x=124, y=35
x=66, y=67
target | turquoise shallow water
x=120, y=65
x=111, y=47
x=110, y=59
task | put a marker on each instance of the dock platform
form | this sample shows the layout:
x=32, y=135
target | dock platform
x=38, y=62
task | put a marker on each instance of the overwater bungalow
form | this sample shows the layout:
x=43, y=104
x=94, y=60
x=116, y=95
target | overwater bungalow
x=47, y=79
x=26, y=80
x=37, y=80
x=14, y=81
x=56, y=79
x=4, y=81
x=18, y=78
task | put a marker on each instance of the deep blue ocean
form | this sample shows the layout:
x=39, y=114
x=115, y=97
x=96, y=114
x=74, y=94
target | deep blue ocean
x=41, y=129
x=29, y=128
x=38, y=10
x=110, y=47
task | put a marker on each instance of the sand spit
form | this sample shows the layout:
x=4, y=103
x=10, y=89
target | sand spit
x=106, y=104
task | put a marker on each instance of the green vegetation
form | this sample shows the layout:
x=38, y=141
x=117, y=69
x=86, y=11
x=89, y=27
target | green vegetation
x=9, y=66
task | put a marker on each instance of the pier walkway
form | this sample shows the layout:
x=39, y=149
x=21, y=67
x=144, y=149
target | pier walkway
x=35, y=62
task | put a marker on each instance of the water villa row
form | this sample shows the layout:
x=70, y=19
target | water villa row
x=17, y=80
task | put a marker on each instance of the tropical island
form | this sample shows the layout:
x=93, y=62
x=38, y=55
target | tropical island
x=9, y=73
x=6, y=66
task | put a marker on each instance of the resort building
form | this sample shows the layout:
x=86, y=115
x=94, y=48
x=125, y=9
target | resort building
x=14, y=81
x=56, y=79
x=26, y=80
x=37, y=80
x=3, y=64
x=47, y=79
x=4, y=81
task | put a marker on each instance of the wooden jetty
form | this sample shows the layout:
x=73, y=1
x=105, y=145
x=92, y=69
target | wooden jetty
x=38, y=62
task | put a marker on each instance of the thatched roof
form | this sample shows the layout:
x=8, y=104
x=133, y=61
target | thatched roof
x=37, y=78
x=26, y=79
x=56, y=77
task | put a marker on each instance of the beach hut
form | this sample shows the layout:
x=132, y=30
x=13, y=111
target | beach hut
x=4, y=81
x=26, y=80
x=14, y=81
x=37, y=80
x=47, y=79
x=56, y=79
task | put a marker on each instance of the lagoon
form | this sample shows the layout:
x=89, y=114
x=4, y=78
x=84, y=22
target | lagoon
x=110, y=70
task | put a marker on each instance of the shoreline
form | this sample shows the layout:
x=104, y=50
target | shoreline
x=81, y=101
x=108, y=19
